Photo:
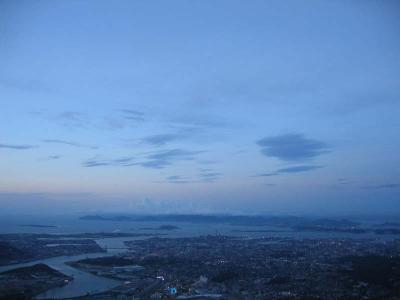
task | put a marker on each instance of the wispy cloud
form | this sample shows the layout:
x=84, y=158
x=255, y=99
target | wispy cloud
x=383, y=186
x=124, y=118
x=210, y=176
x=197, y=121
x=154, y=160
x=120, y=162
x=181, y=133
x=203, y=178
x=17, y=147
x=298, y=169
x=164, y=158
x=178, y=179
x=68, y=143
x=343, y=181
x=266, y=174
x=75, y=119
x=290, y=170
x=292, y=147
x=174, y=154
x=208, y=162
x=155, y=164
x=162, y=139
x=52, y=157
x=95, y=163
x=133, y=115
x=72, y=119
x=174, y=177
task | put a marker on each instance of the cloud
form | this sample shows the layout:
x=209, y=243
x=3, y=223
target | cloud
x=95, y=163
x=161, y=139
x=204, y=178
x=384, y=186
x=155, y=164
x=343, y=181
x=112, y=121
x=210, y=176
x=204, y=121
x=68, y=143
x=119, y=162
x=206, y=170
x=17, y=147
x=133, y=115
x=208, y=162
x=174, y=177
x=267, y=174
x=298, y=169
x=290, y=170
x=292, y=147
x=178, y=179
x=155, y=160
x=174, y=154
x=164, y=158
x=72, y=119
x=181, y=134
x=116, y=121
x=53, y=157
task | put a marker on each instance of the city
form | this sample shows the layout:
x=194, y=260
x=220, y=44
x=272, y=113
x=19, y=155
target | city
x=199, y=149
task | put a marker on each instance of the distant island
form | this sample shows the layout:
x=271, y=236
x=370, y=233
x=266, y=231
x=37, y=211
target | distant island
x=389, y=224
x=38, y=226
x=243, y=220
x=293, y=223
x=162, y=227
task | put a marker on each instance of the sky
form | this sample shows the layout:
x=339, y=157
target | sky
x=242, y=107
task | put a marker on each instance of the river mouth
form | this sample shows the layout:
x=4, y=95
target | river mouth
x=83, y=282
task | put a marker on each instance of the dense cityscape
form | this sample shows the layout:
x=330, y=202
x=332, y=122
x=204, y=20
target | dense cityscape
x=220, y=267
x=251, y=263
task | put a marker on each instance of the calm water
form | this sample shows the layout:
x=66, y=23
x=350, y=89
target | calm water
x=84, y=283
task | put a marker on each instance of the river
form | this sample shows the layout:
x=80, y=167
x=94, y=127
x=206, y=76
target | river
x=83, y=282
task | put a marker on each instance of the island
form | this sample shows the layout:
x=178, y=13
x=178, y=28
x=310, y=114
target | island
x=161, y=227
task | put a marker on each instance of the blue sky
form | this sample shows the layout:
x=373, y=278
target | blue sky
x=200, y=106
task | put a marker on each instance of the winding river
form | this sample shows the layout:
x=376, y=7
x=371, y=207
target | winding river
x=83, y=282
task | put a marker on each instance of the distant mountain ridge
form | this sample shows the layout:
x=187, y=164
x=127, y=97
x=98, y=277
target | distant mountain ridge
x=281, y=221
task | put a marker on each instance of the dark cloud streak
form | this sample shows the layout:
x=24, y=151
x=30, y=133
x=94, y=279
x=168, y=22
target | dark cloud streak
x=164, y=158
x=68, y=143
x=291, y=170
x=17, y=147
x=292, y=147
x=119, y=162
